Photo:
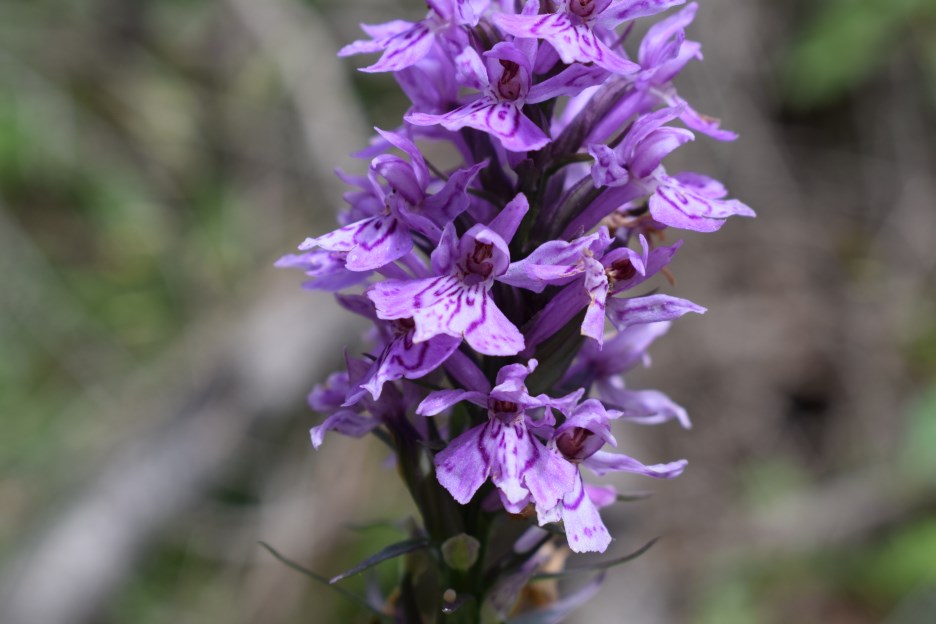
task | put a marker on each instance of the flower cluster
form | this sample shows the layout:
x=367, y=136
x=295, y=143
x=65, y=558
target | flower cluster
x=518, y=273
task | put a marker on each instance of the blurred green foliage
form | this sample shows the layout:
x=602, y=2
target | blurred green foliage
x=129, y=134
x=846, y=42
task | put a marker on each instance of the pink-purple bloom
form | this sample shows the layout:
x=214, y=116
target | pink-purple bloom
x=404, y=44
x=578, y=29
x=505, y=244
x=688, y=201
x=503, y=448
x=457, y=301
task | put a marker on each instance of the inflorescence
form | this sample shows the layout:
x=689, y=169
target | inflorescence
x=508, y=292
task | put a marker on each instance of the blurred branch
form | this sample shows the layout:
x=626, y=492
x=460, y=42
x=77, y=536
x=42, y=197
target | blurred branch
x=260, y=366
x=300, y=46
x=257, y=367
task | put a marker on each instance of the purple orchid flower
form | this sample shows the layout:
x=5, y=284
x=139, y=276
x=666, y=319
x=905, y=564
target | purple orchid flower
x=504, y=79
x=605, y=274
x=556, y=263
x=406, y=43
x=687, y=200
x=377, y=240
x=580, y=439
x=604, y=369
x=577, y=28
x=401, y=357
x=329, y=398
x=457, y=302
x=503, y=448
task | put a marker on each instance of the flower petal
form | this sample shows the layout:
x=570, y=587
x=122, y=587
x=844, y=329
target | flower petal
x=650, y=309
x=584, y=528
x=344, y=422
x=627, y=10
x=682, y=206
x=403, y=358
x=461, y=467
x=439, y=401
x=601, y=463
x=404, y=49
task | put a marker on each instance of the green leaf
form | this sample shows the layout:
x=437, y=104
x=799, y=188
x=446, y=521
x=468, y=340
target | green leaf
x=601, y=565
x=361, y=527
x=633, y=497
x=844, y=44
x=361, y=602
x=917, y=459
x=390, y=552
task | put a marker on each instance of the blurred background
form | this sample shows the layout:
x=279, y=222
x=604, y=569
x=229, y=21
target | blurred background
x=157, y=157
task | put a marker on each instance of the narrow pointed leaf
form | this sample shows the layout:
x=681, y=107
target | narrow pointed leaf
x=600, y=565
x=362, y=527
x=633, y=497
x=390, y=552
x=361, y=602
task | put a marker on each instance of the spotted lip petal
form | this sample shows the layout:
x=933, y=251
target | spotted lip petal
x=585, y=530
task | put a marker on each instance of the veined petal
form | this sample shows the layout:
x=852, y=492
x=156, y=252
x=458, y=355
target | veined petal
x=533, y=26
x=453, y=120
x=578, y=42
x=505, y=121
x=490, y=332
x=584, y=528
x=395, y=299
x=703, y=123
x=403, y=358
x=470, y=70
x=469, y=12
x=404, y=49
x=387, y=29
x=442, y=259
x=597, y=286
x=462, y=467
x=439, y=401
x=627, y=10
x=370, y=244
x=445, y=305
x=549, y=479
x=409, y=148
x=511, y=453
x=607, y=170
x=644, y=407
x=555, y=262
x=346, y=423
x=400, y=176
x=326, y=268
x=681, y=206
x=601, y=463
x=654, y=48
x=570, y=81
x=650, y=309
x=452, y=199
